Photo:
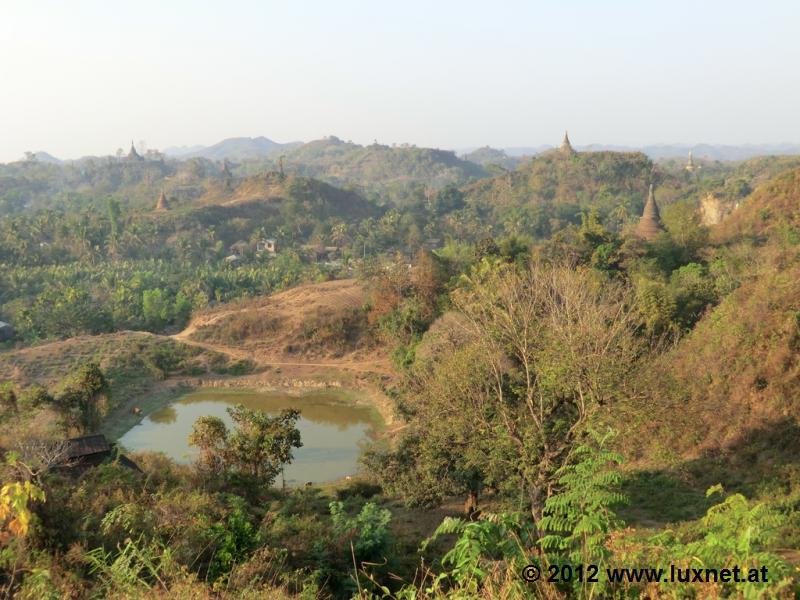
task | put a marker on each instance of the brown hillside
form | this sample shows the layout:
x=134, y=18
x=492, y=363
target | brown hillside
x=731, y=387
x=306, y=324
x=770, y=207
x=125, y=356
x=316, y=196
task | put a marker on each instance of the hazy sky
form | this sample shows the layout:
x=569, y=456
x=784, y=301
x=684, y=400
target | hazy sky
x=82, y=77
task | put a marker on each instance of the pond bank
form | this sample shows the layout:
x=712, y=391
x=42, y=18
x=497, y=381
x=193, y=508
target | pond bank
x=359, y=389
x=332, y=423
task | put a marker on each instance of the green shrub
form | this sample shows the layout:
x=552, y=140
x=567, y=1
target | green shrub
x=368, y=531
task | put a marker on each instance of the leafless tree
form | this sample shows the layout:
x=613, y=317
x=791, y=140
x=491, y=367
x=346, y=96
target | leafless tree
x=557, y=343
x=35, y=456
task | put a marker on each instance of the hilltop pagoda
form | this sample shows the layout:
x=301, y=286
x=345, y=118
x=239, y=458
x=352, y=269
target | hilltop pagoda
x=162, y=202
x=566, y=147
x=650, y=224
x=133, y=154
x=690, y=166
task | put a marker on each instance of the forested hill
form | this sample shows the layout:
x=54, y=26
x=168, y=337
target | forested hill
x=26, y=186
x=390, y=171
x=493, y=158
x=393, y=174
x=726, y=394
x=553, y=188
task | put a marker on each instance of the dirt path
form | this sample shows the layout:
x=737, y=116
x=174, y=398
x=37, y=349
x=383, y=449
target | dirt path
x=292, y=308
x=378, y=366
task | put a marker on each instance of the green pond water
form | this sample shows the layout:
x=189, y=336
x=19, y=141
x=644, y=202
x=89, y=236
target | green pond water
x=332, y=428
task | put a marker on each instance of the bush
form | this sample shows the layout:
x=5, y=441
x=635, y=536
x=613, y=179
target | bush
x=368, y=531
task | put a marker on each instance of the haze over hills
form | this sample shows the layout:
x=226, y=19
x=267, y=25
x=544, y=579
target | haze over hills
x=238, y=148
x=261, y=147
x=248, y=148
x=660, y=151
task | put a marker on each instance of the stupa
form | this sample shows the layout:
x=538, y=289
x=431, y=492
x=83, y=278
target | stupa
x=650, y=224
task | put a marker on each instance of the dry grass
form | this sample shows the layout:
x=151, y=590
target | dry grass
x=310, y=322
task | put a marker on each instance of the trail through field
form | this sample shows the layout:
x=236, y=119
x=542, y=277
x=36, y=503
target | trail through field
x=381, y=366
x=290, y=310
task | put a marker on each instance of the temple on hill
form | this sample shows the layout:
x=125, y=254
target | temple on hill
x=162, y=202
x=566, y=147
x=690, y=166
x=133, y=154
x=650, y=224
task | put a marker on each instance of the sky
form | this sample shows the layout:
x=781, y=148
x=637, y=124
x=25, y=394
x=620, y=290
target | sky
x=85, y=77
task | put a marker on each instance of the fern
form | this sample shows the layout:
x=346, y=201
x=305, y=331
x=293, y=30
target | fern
x=492, y=541
x=737, y=534
x=136, y=566
x=578, y=519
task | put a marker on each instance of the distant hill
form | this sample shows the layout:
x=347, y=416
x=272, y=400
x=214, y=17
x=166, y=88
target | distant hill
x=179, y=151
x=319, y=198
x=42, y=156
x=554, y=187
x=240, y=148
x=519, y=151
x=391, y=171
x=664, y=151
x=487, y=156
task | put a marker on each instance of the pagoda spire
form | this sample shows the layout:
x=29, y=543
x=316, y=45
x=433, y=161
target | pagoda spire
x=690, y=166
x=566, y=147
x=162, y=202
x=133, y=154
x=650, y=224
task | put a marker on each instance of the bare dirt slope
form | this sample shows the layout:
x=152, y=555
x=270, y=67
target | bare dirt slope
x=314, y=325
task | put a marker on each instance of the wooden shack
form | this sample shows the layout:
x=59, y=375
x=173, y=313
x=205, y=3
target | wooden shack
x=82, y=453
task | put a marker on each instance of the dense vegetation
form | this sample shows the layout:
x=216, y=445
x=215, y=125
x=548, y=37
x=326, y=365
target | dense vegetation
x=589, y=396
x=394, y=173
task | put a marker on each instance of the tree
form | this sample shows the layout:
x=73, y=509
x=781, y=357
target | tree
x=114, y=213
x=368, y=532
x=15, y=512
x=8, y=397
x=260, y=446
x=448, y=199
x=558, y=344
x=156, y=308
x=209, y=434
x=84, y=399
x=548, y=345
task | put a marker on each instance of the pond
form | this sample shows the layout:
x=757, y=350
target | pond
x=332, y=428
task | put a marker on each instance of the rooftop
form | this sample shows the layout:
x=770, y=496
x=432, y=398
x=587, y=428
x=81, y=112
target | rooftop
x=87, y=445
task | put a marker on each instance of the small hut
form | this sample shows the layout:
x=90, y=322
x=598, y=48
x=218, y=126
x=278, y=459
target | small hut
x=88, y=451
